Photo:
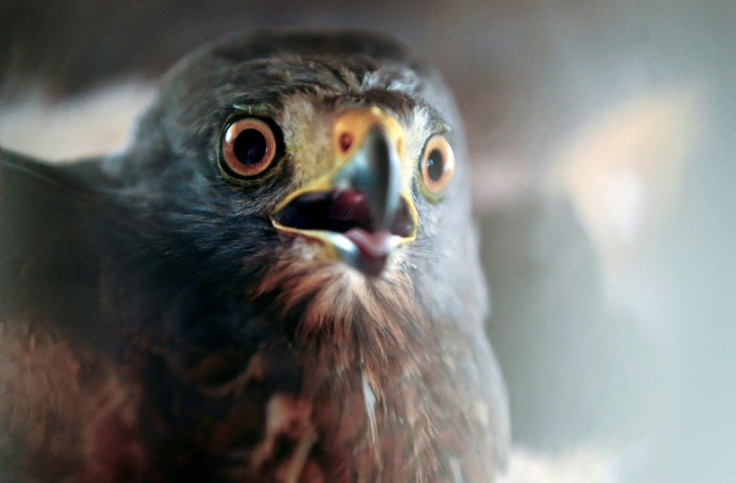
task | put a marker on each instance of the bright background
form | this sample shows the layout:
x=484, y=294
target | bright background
x=602, y=135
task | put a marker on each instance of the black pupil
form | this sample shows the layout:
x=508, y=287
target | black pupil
x=435, y=165
x=250, y=146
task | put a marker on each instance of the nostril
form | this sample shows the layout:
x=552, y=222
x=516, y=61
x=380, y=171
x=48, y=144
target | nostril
x=346, y=140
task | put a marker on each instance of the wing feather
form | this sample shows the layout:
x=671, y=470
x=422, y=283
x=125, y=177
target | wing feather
x=58, y=225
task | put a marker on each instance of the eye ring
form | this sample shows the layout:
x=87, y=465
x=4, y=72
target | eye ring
x=249, y=146
x=437, y=165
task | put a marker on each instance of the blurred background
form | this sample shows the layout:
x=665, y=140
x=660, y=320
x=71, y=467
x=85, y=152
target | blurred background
x=602, y=138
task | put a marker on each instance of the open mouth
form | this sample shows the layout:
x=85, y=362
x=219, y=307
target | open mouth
x=344, y=220
x=342, y=211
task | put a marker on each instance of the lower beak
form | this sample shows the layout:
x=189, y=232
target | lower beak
x=361, y=214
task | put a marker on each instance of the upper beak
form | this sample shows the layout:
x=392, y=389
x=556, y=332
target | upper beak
x=374, y=171
x=362, y=210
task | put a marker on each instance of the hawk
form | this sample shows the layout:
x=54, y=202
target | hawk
x=277, y=279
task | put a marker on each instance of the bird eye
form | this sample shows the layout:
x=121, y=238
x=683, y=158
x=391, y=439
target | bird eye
x=437, y=165
x=248, y=148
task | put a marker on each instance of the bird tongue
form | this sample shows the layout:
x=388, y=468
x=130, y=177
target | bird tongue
x=374, y=248
x=373, y=243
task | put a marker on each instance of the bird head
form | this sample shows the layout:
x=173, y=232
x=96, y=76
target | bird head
x=310, y=163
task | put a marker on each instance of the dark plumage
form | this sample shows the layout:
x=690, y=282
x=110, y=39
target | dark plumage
x=166, y=316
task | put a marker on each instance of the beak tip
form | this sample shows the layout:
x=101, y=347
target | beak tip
x=370, y=251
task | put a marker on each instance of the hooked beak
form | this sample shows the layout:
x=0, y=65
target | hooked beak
x=362, y=211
